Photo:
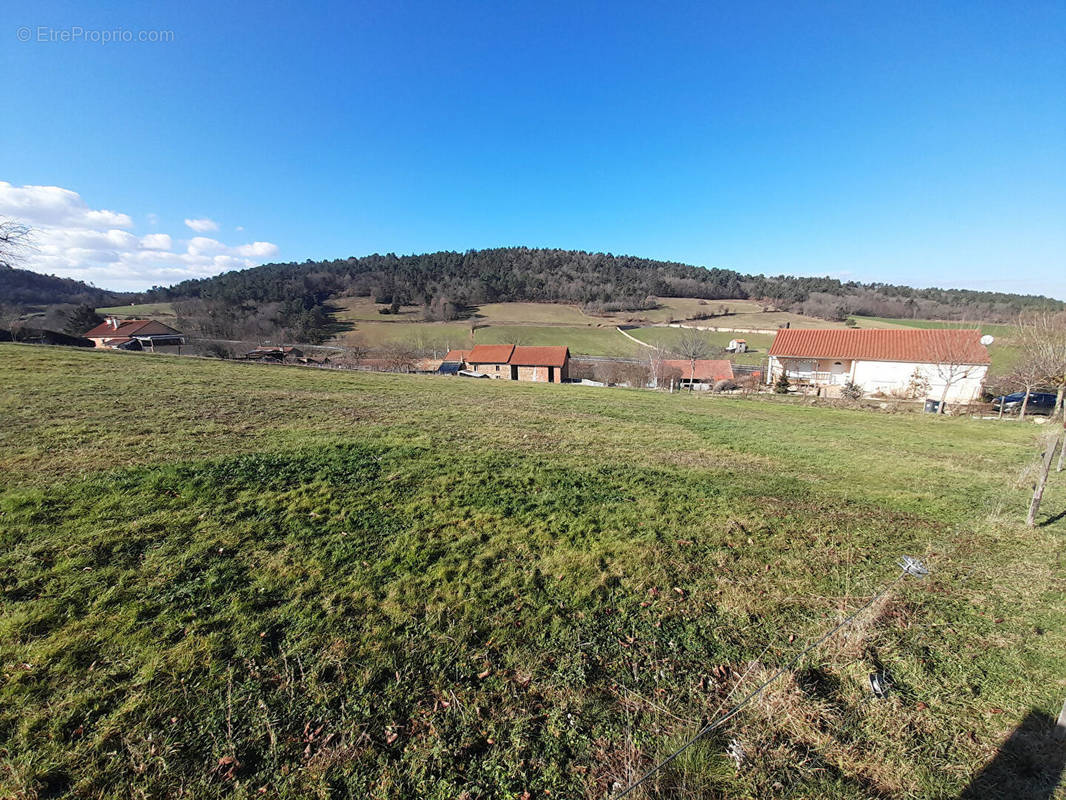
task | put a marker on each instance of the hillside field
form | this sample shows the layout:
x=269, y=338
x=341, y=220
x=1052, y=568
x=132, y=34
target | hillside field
x=223, y=579
x=595, y=335
x=161, y=311
x=588, y=334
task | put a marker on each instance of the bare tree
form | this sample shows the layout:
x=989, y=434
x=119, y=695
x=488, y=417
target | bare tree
x=398, y=358
x=954, y=361
x=692, y=347
x=353, y=354
x=15, y=240
x=656, y=356
x=1028, y=375
x=637, y=375
x=1042, y=336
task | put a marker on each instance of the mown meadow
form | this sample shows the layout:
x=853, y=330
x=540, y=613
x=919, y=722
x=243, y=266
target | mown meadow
x=237, y=580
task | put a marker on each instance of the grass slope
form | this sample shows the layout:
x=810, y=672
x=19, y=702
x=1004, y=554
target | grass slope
x=557, y=324
x=235, y=580
x=162, y=311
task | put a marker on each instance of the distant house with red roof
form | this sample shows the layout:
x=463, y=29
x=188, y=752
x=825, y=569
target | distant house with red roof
x=518, y=363
x=453, y=362
x=946, y=364
x=704, y=373
x=134, y=334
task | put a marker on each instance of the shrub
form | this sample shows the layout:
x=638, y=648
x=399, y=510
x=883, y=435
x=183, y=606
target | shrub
x=851, y=391
x=781, y=386
x=216, y=350
x=918, y=386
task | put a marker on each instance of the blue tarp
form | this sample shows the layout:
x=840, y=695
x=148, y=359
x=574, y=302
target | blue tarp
x=450, y=368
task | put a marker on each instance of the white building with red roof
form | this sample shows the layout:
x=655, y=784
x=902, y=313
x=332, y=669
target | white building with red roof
x=946, y=364
x=134, y=334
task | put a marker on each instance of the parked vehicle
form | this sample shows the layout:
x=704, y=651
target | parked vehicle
x=1039, y=403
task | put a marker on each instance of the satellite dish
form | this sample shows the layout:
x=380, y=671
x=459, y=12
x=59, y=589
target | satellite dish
x=986, y=340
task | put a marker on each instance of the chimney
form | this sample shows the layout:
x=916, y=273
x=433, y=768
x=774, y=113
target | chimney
x=113, y=322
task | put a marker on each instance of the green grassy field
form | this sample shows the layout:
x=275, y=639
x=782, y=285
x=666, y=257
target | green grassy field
x=555, y=324
x=993, y=328
x=223, y=579
x=717, y=340
x=585, y=334
x=161, y=311
x=441, y=336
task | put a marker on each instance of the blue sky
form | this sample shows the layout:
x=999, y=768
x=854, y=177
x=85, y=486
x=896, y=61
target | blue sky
x=920, y=143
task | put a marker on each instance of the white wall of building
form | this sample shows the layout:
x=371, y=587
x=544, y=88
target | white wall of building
x=894, y=376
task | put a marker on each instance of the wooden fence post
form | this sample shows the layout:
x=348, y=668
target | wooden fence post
x=1062, y=450
x=1041, y=480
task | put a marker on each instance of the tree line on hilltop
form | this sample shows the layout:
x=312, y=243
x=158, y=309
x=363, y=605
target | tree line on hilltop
x=292, y=300
x=295, y=296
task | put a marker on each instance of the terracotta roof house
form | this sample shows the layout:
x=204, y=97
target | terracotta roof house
x=456, y=356
x=508, y=362
x=453, y=362
x=491, y=359
x=701, y=375
x=540, y=364
x=946, y=364
x=134, y=334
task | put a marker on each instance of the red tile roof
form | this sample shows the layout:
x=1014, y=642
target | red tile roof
x=457, y=355
x=131, y=327
x=126, y=327
x=706, y=369
x=540, y=356
x=490, y=354
x=915, y=345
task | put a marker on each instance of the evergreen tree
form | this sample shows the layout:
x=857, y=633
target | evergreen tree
x=81, y=319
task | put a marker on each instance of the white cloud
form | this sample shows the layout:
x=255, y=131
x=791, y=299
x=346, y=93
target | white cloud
x=239, y=228
x=202, y=225
x=73, y=240
x=202, y=246
x=51, y=205
x=258, y=250
x=157, y=241
x=153, y=219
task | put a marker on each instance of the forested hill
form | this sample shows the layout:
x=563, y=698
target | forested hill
x=598, y=280
x=21, y=287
